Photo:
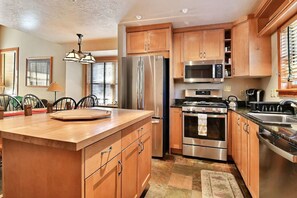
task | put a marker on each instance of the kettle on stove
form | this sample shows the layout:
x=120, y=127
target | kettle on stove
x=232, y=101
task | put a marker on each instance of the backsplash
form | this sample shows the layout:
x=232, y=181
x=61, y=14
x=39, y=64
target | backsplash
x=232, y=86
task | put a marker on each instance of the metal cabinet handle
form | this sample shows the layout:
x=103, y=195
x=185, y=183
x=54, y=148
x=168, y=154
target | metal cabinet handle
x=200, y=54
x=238, y=121
x=141, y=145
x=121, y=167
x=204, y=54
x=248, y=128
x=107, y=150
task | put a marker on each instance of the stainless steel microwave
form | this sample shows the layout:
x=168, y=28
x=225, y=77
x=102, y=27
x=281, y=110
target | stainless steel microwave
x=204, y=71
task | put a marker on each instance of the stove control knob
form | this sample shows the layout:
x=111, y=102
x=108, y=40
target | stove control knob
x=203, y=109
x=188, y=109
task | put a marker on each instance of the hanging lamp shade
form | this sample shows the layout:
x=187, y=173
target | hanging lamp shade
x=72, y=56
x=79, y=56
x=88, y=59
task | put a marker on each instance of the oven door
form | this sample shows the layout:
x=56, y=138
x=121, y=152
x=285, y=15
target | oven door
x=216, y=130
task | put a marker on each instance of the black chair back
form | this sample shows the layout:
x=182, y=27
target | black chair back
x=10, y=103
x=34, y=101
x=87, y=101
x=95, y=99
x=61, y=104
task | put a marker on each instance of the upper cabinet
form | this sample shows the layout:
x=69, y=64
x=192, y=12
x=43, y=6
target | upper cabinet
x=146, y=39
x=178, y=55
x=251, y=54
x=204, y=45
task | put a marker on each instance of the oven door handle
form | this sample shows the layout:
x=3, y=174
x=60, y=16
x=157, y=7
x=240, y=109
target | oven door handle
x=208, y=115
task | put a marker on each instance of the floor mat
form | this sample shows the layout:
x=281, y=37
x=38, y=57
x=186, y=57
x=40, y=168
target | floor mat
x=219, y=185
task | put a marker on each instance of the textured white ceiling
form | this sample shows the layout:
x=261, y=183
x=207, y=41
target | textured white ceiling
x=60, y=20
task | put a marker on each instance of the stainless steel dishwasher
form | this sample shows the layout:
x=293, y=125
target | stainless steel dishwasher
x=278, y=166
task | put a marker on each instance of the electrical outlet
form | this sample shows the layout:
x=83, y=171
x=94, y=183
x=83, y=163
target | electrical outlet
x=242, y=93
x=227, y=88
x=271, y=93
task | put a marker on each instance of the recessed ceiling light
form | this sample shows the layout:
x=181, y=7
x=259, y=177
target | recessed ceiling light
x=138, y=17
x=185, y=10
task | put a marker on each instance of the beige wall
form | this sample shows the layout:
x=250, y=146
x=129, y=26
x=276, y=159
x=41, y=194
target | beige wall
x=270, y=84
x=31, y=46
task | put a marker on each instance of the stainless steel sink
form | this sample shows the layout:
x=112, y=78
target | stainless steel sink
x=277, y=119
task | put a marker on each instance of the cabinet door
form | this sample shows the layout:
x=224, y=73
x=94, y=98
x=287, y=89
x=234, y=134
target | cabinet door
x=178, y=59
x=136, y=42
x=192, y=49
x=144, y=161
x=229, y=134
x=158, y=40
x=236, y=138
x=240, y=49
x=105, y=182
x=253, y=183
x=130, y=171
x=176, y=128
x=213, y=44
x=244, y=150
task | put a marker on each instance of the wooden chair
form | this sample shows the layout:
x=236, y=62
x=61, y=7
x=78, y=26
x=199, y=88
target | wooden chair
x=95, y=99
x=34, y=101
x=60, y=104
x=87, y=101
x=10, y=103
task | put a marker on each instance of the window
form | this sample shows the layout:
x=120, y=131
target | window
x=103, y=78
x=39, y=71
x=288, y=57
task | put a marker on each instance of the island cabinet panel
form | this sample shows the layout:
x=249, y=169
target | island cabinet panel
x=101, y=152
x=130, y=171
x=39, y=171
x=144, y=161
x=105, y=182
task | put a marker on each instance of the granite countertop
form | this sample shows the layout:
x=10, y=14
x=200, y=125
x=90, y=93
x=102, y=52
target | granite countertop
x=287, y=133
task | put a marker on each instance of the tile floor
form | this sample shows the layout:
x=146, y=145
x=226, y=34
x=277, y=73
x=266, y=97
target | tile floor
x=179, y=177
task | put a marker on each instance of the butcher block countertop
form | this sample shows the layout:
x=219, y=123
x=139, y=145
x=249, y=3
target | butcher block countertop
x=40, y=129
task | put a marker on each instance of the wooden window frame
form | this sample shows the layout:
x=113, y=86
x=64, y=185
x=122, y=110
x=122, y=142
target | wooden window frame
x=50, y=58
x=292, y=92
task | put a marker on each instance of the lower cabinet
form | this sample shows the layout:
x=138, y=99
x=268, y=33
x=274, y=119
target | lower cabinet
x=127, y=174
x=176, y=134
x=105, y=182
x=144, y=161
x=245, y=151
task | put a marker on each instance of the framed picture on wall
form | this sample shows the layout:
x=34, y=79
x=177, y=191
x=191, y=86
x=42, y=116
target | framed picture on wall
x=39, y=71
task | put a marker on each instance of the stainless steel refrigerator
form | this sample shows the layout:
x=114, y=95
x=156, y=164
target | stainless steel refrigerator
x=145, y=86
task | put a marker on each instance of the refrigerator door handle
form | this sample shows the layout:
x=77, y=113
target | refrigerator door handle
x=141, y=84
x=138, y=84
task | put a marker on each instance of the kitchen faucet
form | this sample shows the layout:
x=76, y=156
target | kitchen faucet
x=293, y=104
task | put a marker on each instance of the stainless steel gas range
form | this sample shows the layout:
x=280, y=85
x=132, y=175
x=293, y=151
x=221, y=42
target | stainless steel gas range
x=205, y=125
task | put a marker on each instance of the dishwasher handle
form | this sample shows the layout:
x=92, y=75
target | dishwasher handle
x=284, y=154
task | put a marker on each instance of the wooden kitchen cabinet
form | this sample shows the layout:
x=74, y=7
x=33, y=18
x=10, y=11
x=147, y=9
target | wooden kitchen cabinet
x=130, y=171
x=136, y=42
x=253, y=184
x=204, y=45
x=105, y=182
x=176, y=136
x=144, y=161
x=251, y=55
x=146, y=39
x=245, y=151
x=178, y=55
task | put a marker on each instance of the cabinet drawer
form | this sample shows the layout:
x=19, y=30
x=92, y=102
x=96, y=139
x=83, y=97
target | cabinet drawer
x=145, y=128
x=101, y=152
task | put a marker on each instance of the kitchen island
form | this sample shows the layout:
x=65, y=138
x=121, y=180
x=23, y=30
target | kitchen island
x=109, y=157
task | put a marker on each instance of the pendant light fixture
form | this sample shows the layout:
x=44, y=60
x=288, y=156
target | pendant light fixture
x=79, y=56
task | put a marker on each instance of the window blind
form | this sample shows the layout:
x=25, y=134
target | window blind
x=288, y=56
